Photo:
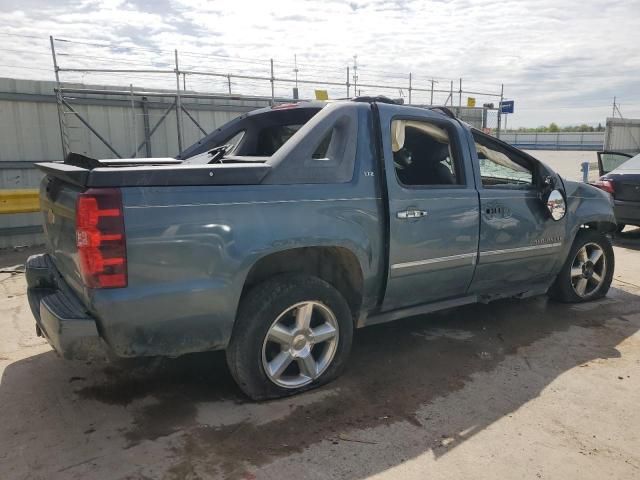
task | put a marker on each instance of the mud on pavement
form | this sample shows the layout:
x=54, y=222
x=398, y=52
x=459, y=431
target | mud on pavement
x=184, y=418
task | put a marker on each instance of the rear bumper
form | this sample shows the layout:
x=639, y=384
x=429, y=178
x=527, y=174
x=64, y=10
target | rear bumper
x=627, y=212
x=60, y=316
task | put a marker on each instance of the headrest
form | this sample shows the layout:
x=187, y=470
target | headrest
x=398, y=132
x=440, y=152
x=397, y=135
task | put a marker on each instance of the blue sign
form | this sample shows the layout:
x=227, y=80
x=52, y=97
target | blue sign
x=506, y=106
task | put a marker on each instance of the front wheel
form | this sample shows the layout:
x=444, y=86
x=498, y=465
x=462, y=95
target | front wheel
x=588, y=270
x=292, y=333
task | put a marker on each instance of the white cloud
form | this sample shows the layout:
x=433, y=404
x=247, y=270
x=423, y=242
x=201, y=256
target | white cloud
x=560, y=61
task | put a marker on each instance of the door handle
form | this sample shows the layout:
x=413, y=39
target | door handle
x=411, y=213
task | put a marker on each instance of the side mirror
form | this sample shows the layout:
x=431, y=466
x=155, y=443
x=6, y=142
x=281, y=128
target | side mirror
x=556, y=205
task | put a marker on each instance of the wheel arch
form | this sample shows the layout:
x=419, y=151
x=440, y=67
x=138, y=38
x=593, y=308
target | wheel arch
x=602, y=226
x=338, y=266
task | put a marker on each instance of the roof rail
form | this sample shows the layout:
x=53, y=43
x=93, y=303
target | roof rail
x=379, y=99
x=444, y=110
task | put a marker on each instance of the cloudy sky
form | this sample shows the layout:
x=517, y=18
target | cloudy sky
x=561, y=61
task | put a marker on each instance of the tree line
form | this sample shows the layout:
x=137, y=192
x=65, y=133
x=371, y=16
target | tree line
x=554, y=128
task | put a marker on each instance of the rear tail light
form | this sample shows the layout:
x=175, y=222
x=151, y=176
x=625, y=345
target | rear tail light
x=606, y=185
x=100, y=238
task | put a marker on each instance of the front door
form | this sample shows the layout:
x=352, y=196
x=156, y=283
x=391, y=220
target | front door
x=433, y=209
x=519, y=241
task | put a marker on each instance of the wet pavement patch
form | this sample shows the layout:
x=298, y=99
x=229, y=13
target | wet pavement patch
x=394, y=370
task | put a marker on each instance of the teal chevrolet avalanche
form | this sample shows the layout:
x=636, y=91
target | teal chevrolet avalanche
x=278, y=234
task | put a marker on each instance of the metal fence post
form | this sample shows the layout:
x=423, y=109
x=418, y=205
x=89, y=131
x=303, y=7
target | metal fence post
x=409, y=88
x=273, y=88
x=460, y=97
x=229, y=83
x=348, y=84
x=64, y=140
x=178, y=105
x=500, y=109
x=432, y=82
x=133, y=122
x=147, y=135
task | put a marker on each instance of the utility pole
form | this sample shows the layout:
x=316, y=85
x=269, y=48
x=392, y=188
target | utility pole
x=613, y=113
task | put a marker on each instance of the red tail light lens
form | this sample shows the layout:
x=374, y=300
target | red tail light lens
x=606, y=185
x=100, y=238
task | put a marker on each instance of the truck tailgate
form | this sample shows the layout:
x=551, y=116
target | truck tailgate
x=58, y=207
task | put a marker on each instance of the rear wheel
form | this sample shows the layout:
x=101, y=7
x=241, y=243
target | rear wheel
x=588, y=270
x=293, y=333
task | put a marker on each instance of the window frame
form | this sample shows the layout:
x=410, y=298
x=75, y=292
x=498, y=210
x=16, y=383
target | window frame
x=340, y=169
x=242, y=132
x=521, y=158
x=455, y=149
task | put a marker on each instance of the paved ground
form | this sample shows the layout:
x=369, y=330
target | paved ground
x=568, y=162
x=514, y=389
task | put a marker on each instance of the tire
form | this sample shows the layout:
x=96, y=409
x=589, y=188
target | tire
x=567, y=287
x=283, y=300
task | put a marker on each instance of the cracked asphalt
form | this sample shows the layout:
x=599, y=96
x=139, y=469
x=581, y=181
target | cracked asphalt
x=513, y=389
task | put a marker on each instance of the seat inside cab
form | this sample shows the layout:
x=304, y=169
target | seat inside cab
x=422, y=154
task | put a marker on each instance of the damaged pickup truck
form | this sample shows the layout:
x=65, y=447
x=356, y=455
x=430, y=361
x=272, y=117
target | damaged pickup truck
x=277, y=235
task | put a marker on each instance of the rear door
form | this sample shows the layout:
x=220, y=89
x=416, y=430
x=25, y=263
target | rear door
x=433, y=207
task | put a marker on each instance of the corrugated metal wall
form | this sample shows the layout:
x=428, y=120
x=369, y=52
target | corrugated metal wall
x=623, y=135
x=555, y=141
x=29, y=133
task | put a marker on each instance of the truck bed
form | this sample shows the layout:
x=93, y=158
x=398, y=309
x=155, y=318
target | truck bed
x=178, y=173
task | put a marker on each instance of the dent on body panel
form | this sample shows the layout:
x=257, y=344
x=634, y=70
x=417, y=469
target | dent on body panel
x=587, y=204
x=514, y=223
x=175, y=243
x=165, y=319
x=271, y=228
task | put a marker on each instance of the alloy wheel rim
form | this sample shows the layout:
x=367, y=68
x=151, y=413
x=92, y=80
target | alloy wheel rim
x=588, y=270
x=300, y=344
